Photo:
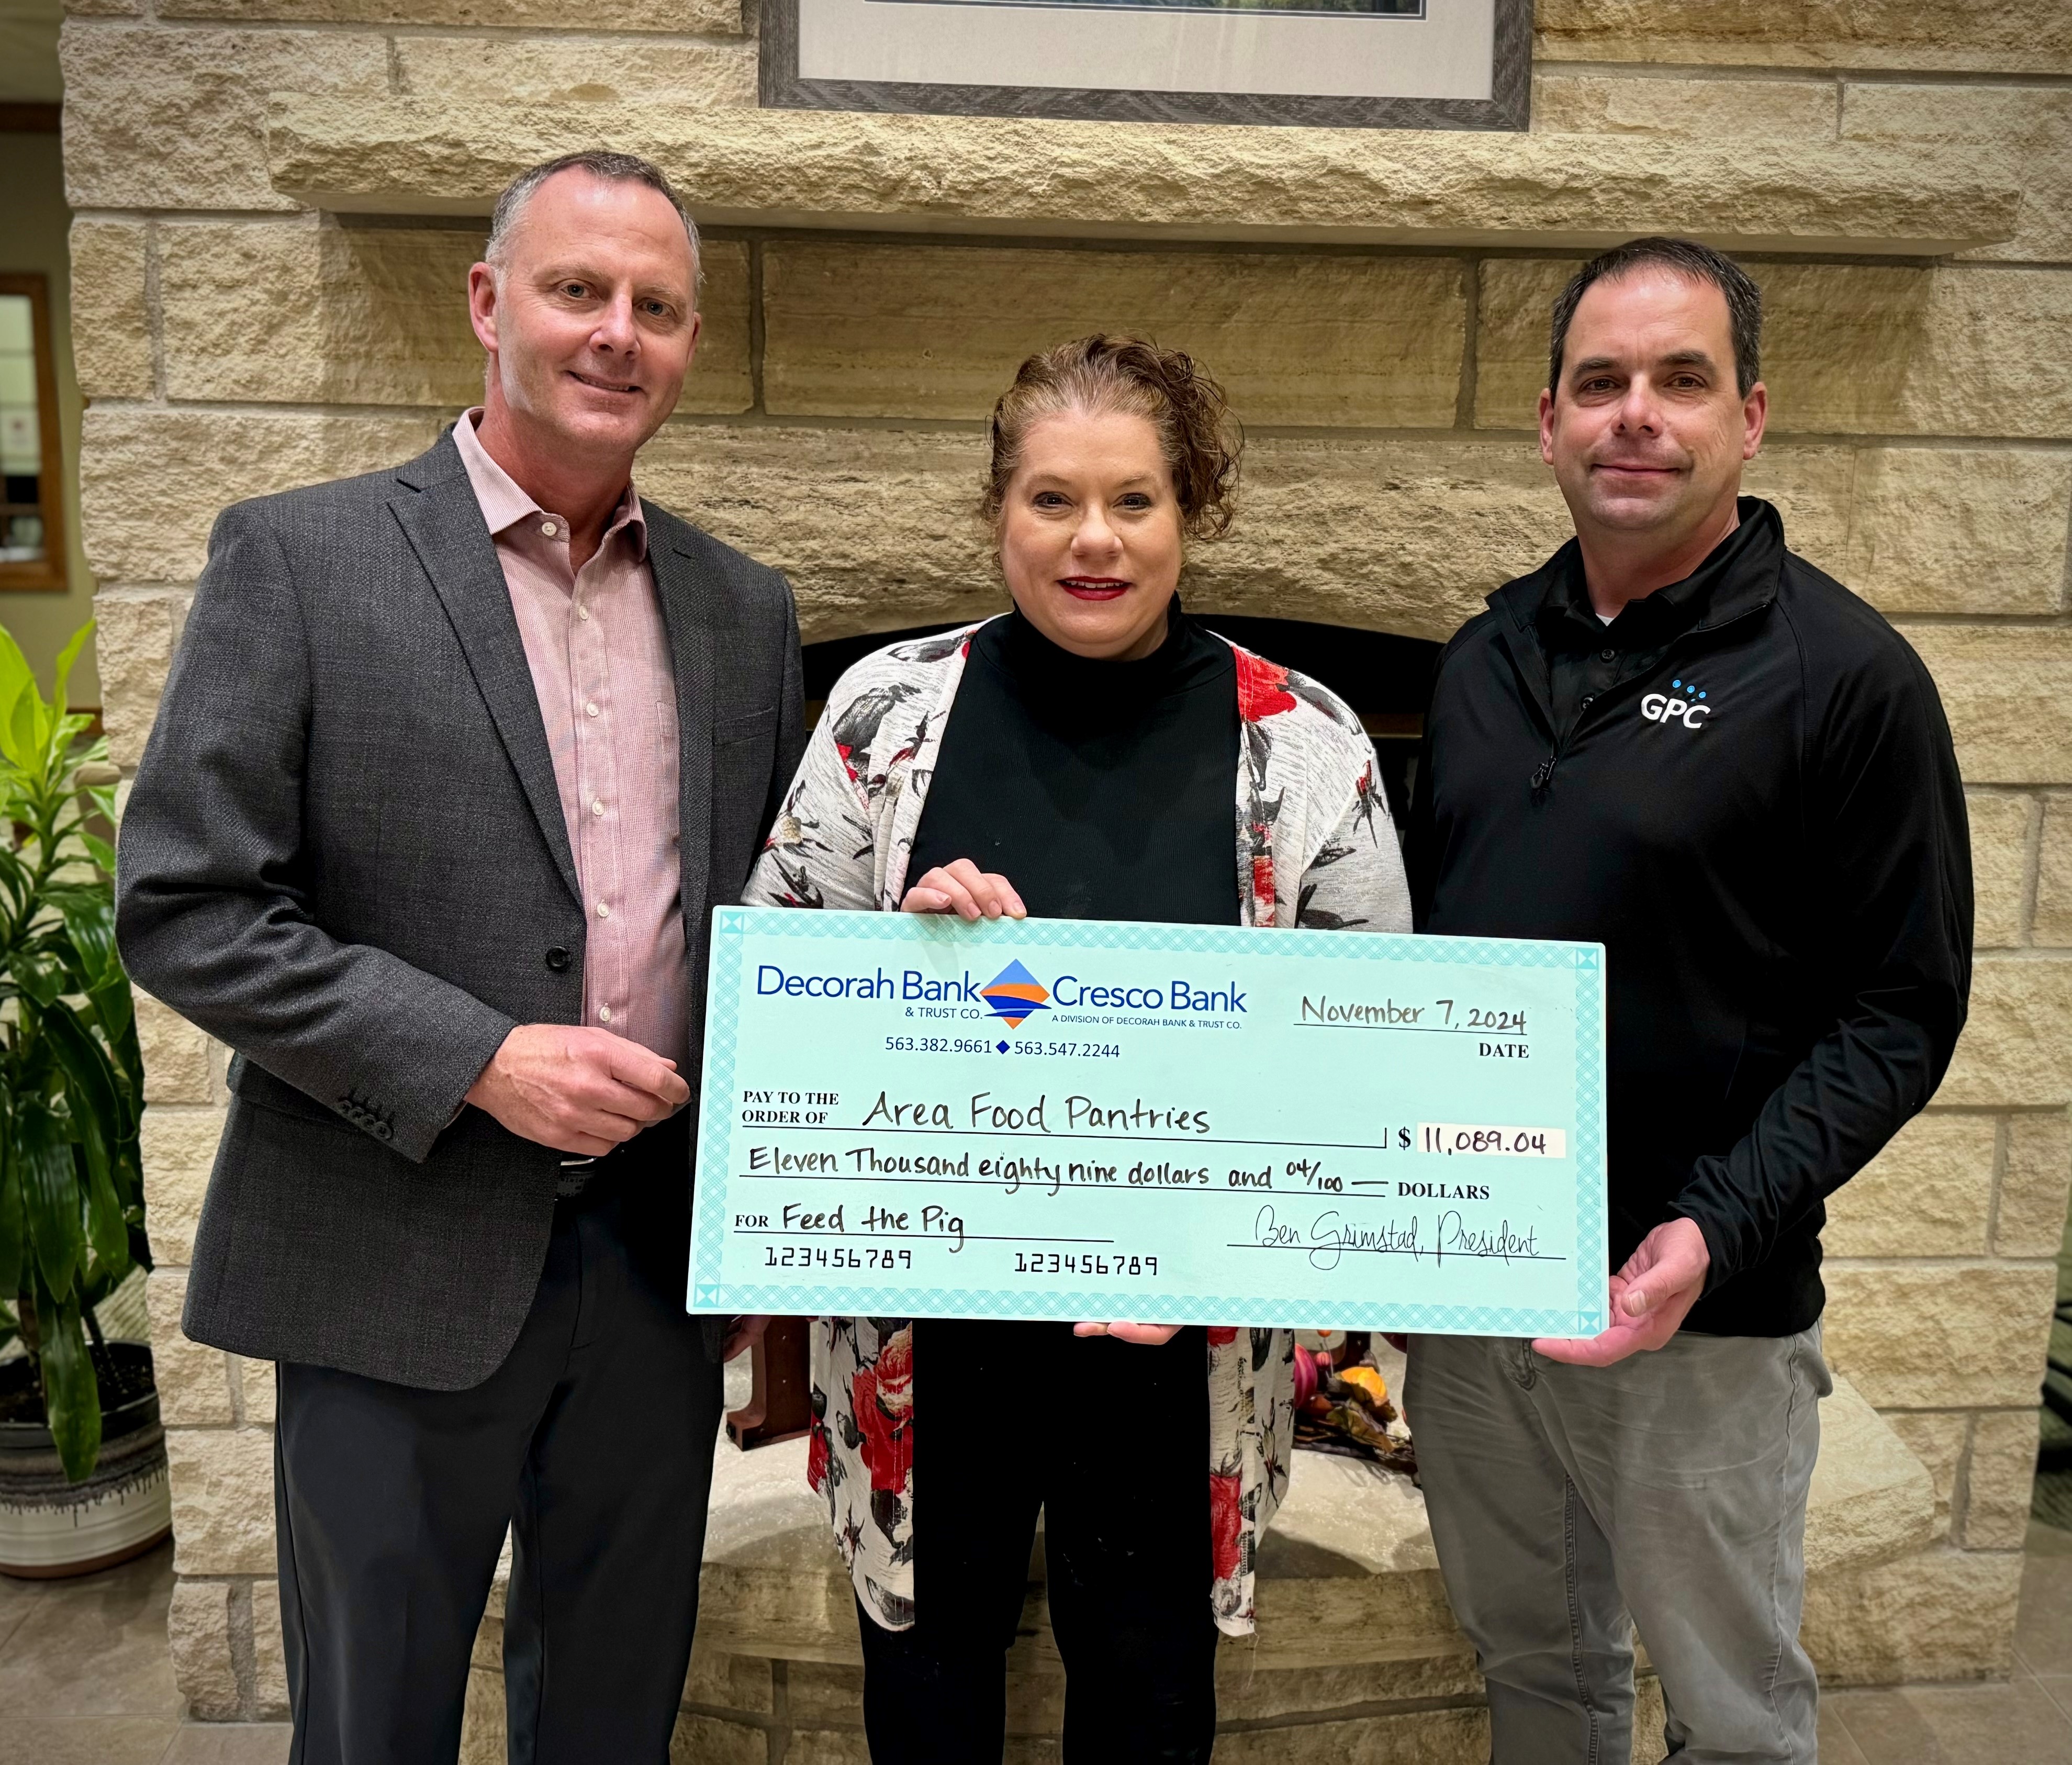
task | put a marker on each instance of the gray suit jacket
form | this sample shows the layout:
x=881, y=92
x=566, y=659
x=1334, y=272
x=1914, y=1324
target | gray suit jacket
x=344, y=857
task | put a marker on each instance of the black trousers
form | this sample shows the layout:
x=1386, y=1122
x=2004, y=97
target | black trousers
x=593, y=1440
x=1108, y=1441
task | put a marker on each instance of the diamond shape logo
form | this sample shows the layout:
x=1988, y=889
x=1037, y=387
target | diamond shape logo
x=1015, y=994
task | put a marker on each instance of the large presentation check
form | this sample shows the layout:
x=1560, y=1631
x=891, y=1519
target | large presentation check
x=910, y=1116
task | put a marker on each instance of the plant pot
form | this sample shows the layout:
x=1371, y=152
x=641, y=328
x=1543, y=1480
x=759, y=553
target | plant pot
x=49, y=1527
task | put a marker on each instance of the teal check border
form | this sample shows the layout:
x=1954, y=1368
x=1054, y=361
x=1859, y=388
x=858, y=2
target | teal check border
x=709, y=1293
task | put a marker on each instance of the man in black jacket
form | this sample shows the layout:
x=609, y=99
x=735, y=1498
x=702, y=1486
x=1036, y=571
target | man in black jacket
x=1680, y=740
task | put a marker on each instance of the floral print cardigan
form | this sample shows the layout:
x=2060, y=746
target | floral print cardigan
x=1314, y=847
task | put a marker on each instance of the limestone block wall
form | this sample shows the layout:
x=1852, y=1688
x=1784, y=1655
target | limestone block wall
x=235, y=341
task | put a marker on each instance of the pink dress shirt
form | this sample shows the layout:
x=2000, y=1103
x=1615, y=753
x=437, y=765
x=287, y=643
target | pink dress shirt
x=599, y=655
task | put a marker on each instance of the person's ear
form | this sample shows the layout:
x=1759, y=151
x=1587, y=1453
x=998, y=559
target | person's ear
x=482, y=305
x=1755, y=419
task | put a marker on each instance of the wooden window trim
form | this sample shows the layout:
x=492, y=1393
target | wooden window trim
x=49, y=573
x=31, y=119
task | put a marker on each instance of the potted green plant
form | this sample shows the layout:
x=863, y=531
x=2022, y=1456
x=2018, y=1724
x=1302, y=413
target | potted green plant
x=82, y=1456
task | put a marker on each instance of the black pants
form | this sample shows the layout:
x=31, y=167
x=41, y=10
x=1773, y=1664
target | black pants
x=1109, y=1442
x=593, y=1440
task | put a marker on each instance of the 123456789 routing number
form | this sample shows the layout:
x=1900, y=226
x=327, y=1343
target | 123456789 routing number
x=835, y=1256
x=1084, y=1262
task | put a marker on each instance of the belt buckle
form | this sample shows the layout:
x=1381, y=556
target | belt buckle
x=576, y=1173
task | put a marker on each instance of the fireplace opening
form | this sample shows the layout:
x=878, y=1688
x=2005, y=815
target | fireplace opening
x=1386, y=679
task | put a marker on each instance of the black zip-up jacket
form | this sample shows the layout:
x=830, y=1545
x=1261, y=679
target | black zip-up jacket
x=1752, y=803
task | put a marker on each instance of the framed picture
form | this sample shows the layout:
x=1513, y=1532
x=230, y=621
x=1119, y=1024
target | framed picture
x=1315, y=64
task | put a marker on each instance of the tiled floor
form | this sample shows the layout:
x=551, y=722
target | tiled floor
x=88, y=1683
x=85, y=1679
x=2028, y=1720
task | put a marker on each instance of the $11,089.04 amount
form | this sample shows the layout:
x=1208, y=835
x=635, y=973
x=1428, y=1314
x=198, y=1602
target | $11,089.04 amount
x=1455, y=1139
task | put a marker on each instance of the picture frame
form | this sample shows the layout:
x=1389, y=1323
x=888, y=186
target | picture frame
x=1308, y=63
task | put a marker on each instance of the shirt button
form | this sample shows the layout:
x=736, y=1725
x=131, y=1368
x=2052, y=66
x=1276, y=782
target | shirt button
x=604, y=1014
x=1589, y=698
x=604, y=909
x=549, y=528
x=590, y=709
x=1607, y=656
x=597, y=807
x=582, y=612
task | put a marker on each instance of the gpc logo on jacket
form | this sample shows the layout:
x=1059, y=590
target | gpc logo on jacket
x=1661, y=708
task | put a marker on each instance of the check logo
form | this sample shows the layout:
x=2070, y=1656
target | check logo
x=1015, y=994
x=1661, y=708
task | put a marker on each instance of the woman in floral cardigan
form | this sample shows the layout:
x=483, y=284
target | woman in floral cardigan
x=1093, y=754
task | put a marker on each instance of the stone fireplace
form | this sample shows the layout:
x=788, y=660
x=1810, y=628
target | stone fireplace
x=277, y=201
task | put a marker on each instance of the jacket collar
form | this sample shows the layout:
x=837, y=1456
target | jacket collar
x=438, y=463
x=1739, y=576
x=436, y=507
x=695, y=606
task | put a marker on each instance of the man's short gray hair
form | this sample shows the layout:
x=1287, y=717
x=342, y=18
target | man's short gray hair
x=613, y=167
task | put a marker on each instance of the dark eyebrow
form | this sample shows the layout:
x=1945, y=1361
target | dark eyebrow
x=1676, y=358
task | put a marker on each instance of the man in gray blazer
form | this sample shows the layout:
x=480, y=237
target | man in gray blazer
x=454, y=763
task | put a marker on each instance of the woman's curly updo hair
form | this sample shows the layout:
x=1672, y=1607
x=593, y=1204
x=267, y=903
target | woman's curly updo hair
x=1200, y=439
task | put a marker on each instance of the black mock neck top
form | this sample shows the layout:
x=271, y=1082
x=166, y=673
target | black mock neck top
x=1101, y=790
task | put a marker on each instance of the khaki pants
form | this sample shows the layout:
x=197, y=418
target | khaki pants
x=1570, y=1504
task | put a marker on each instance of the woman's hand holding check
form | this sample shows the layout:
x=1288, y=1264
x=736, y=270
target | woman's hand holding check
x=961, y=887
